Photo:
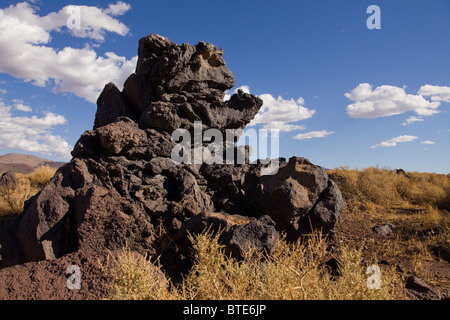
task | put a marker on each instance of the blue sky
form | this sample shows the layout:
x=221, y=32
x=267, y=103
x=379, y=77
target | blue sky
x=342, y=94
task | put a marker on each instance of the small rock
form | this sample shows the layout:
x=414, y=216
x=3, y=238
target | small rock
x=384, y=230
x=421, y=289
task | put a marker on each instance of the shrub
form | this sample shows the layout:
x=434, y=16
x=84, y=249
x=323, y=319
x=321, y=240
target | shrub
x=293, y=271
x=133, y=277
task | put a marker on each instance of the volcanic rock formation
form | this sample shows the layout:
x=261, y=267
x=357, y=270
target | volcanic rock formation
x=122, y=184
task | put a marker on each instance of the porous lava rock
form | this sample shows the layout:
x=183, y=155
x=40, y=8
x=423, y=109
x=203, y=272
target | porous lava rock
x=122, y=186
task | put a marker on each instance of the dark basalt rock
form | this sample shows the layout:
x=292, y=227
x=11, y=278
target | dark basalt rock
x=122, y=184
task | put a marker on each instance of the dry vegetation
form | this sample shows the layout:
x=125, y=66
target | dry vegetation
x=375, y=189
x=294, y=271
x=13, y=197
x=418, y=204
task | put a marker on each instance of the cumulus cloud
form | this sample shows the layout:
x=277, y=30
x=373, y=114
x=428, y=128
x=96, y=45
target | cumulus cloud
x=313, y=134
x=386, y=101
x=282, y=126
x=32, y=134
x=428, y=142
x=22, y=107
x=278, y=113
x=436, y=93
x=412, y=119
x=118, y=9
x=394, y=141
x=26, y=53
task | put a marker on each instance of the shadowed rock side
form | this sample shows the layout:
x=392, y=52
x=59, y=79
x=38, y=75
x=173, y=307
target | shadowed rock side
x=121, y=183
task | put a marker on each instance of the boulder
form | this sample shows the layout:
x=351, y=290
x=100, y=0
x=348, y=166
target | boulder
x=258, y=234
x=110, y=106
x=237, y=233
x=122, y=186
x=7, y=180
x=299, y=198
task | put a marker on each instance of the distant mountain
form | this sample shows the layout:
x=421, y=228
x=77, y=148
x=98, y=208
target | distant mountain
x=24, y=163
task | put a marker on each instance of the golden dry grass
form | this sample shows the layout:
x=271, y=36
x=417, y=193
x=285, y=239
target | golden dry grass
x=133, y=277
x=12, y=198
x=374, y=187
x=418, y=204
x=294, y=271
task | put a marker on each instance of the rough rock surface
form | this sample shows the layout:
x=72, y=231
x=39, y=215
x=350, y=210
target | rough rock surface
x=47, y=280
x=7, y=180
x=122, y=183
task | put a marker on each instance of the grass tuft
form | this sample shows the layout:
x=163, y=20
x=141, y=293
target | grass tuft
x=294, y=271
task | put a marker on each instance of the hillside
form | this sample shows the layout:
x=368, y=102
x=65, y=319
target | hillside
x=24, y=163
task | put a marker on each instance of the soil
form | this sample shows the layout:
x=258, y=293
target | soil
x=48, y=280
x=394, y=249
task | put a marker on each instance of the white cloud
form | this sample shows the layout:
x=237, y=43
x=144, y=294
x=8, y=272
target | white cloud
x=281, y=110
x=428, y=142
x=277, y=113
x=412, y=119
x=32, y=134
x=281, y=114
x=26, y=52
x=313, y=134
x=436, y=93
x=394, y=141
x=386, y=101
x=282, y=126
x=118, y=9
x=22, y=107
x=18, y=105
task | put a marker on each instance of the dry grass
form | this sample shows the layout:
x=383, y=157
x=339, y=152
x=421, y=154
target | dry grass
x=13, y=197
x=133, y=277
x=293, y=271
x=372, y=187
x=417, y=203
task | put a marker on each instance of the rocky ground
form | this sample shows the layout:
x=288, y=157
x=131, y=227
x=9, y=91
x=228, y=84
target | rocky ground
x=391, y=246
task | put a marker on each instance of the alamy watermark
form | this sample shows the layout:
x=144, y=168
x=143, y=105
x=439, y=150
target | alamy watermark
x=374, y=281
x=374, y=21
x=211, y=147
x=74, y=20
x=74, y=280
